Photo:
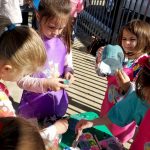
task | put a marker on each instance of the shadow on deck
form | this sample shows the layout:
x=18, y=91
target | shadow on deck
x=87, y=93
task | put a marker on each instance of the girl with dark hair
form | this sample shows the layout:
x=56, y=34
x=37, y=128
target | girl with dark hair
x=134, y=107
x=134, y=38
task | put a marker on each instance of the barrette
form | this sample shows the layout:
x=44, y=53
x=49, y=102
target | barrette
x=10, y=27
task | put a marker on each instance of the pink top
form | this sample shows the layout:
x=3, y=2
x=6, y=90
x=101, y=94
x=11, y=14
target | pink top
x=76, y=7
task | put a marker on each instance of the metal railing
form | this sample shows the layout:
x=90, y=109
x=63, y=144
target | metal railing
x=104, y=18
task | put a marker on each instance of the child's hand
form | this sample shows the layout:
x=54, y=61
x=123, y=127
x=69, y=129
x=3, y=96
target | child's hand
x=123, y=80
x=99, y=55
x=69, y=76
x=82, y=124
x=54, y=84
x=61, y=126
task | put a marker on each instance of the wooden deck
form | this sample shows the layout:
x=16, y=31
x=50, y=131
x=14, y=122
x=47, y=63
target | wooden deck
x=88, y=90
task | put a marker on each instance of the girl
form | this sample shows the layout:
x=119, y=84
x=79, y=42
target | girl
x=135, y=107
x=42, y=103
x=76, y=7
x=19, y=56
x=134, y=39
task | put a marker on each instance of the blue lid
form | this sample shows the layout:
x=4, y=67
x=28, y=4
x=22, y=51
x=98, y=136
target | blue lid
x=112, y=59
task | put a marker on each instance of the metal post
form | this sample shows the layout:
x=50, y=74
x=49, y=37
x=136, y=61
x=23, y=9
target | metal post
x=117, y=23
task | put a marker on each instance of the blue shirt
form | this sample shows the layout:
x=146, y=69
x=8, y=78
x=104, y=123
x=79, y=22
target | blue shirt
x=131, y=108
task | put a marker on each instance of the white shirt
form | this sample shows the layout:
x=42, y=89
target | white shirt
x=11, y=9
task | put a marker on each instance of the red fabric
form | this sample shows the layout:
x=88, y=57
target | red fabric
x=142, y=140
x=4, y=89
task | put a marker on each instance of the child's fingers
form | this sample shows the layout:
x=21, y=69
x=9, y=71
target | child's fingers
x=99, y=54
x=82, y=124
x=66, y=118
x=68, y=76
x=62, y=84
x=71, y=79
x=78, y=126
x=121, y=75
x=100, y=49
x=125, y=77
x=118, y=75
x=62, y=81
x=79, y=133
x=123, y=80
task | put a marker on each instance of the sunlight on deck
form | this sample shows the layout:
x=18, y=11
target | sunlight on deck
x=87, y=92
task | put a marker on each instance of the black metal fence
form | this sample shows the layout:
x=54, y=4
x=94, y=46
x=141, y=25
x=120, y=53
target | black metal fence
x=104, y=18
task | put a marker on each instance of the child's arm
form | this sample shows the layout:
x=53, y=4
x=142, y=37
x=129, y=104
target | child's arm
x=132, y=108
x=123, y=81
x=83, y=124
x=40, y=85
x=49, y=134
x=61, y=126
x=98, y=60
x=69, y=72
